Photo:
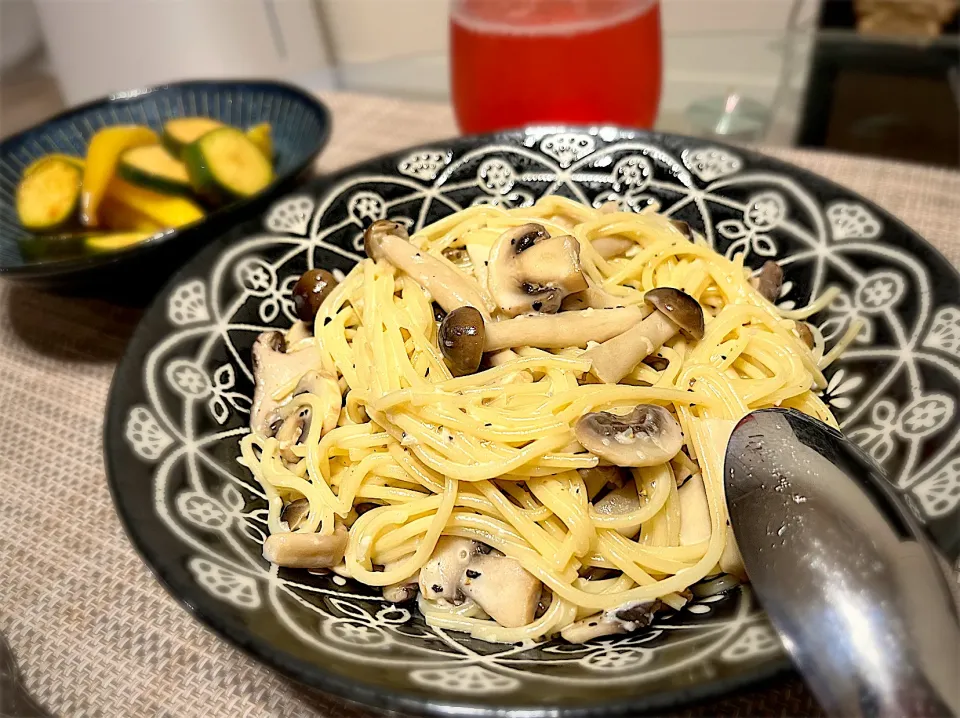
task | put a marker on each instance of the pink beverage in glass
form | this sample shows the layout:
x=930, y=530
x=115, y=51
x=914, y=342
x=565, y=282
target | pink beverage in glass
x=521, y=62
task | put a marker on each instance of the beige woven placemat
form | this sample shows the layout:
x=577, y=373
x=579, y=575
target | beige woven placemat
x=93, y=631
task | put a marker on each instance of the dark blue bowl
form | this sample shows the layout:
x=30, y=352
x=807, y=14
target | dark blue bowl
x=301, y=127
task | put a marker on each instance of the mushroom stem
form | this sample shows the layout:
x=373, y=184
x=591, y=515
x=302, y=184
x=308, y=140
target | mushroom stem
x=448, y=287
x=675, y=311
x=304, y=550
x=556, y=331
x=592, y=297
x=613, y=360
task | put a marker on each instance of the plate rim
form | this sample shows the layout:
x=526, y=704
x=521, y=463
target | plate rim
x=238, y=210
x=314, y=677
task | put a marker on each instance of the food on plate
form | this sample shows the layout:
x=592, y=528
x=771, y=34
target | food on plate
x=136, y=184
x=518, y=417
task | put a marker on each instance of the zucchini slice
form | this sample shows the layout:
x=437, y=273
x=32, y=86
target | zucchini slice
x=38, y=247
x=262, y=136
x=225, y=165
x=78, y=161
x=154, y=168
x=48, y=198
x=182, y=131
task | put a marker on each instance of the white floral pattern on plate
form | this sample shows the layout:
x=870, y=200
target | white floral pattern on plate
x=894, y=390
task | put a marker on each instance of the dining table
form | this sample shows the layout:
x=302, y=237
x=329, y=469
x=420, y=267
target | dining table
x=92, y=630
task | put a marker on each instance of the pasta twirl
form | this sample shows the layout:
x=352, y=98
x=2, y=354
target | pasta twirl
x=383, y=465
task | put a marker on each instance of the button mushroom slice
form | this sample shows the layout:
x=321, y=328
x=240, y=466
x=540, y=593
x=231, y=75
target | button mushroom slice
x=505, y=590
x=610, y=247
x=623, y=619
x=769, y=280
x=297, y=332
x=440, y=575
x=675, y=311
x=303, y=550
x=694, y=512
x=461, y=340
x=273, y=369
x=295, y=513
x=531, y=271
x=402, y=591
x=556, y=331
x=683, y=228
x=325, y=387
x=647, y=436
x=618, y=502
x=449, y=287
x=293, y=431
x=599, y=477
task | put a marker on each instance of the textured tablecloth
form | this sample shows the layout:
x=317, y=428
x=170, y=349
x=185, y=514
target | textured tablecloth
x=94, y=633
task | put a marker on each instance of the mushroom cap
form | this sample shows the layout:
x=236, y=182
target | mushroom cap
x=295, y=513
x=461, y=338
x=680, y=308
x=647, y=436
x=769, y=280
x=273, y=369
x=531, y=271
x=373, y=235
x=805, y=334
x=310, y=290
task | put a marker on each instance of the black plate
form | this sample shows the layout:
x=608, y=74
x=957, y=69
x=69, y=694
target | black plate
x=300, y=125
x=179, y=400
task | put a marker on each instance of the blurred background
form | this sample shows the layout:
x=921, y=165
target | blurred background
x=873, y=77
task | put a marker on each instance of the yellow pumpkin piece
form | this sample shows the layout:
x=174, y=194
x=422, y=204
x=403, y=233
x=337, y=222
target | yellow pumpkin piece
x=113, y=241
x=102, y=157
x=261, y=135
x=120, y=217
x=165, y=210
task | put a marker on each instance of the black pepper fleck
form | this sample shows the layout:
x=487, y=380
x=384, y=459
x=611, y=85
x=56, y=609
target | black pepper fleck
x=437, y=588
x=592, y=624
x=326, y=321
x=537, y=306
x=472, y=574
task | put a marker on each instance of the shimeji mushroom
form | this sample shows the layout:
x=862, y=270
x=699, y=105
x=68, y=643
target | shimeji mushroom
x=505, y=590
x=310, y=290
x=531, y=271
x=449, y=287
x=592, y=297
x=805, y=333
x=769, y=280
x=295, y=513
x=623, y=619
x=273, y=369
x=676, y=311
x=461, y=337
x=647, y=436
x=556, y=331
x=305, y=550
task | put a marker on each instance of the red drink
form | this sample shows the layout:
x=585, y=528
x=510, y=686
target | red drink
x=521, y=62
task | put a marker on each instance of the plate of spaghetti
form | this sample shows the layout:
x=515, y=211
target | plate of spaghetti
x=445, y=432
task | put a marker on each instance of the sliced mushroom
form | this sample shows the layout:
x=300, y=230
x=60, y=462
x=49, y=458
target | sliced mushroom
x=676, y=311
x=531, y=271
x=303, y=550
x=440, y=575
x=292, y=431
x=310, y=290
x=656, y=363
x=600, y=477
x=325, y=387
x=565, y=329
x=769, y=280
x=402, y=591
x=624, y=619
x=694, y=512
x=273, y=369
x=295, y=513
x=618, y=502
x=461, y=338
x=610, y=247
x=506, y=591
x=647, y=436
x=805, y=334
x=449, y=287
